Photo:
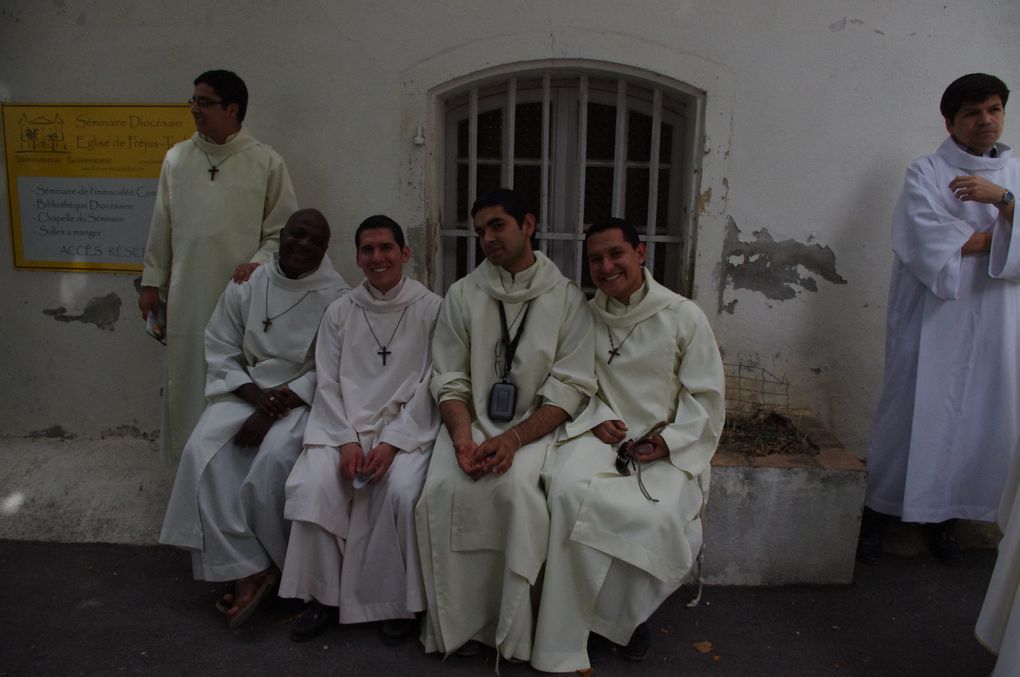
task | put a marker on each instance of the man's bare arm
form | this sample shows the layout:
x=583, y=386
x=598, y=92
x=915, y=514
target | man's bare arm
x=980, y=189
x=456, y=416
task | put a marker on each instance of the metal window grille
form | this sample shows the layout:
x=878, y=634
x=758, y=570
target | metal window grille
x=580, y=147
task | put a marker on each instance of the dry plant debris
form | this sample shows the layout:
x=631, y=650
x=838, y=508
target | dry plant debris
x=764, y=433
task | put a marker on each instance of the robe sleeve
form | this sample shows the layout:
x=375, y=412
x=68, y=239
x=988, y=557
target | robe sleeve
x=280, y=203
x=304, y=385
x=451, y=352
x=327, y=422
x=416, y=425
x=224, y=342
x=1004, y=261
x=694, y=434
x=926, y=237
x=158, y=248
x=571, y=380
x=594, y=413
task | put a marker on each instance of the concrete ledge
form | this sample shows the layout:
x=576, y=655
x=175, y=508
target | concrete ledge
x=784, y=519
x=82, y=491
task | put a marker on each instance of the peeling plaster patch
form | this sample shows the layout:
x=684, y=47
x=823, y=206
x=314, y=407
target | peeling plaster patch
x=772, y=268
x=129, y=431
x=54, y=432
x=729, y=307
x=838, y=26
x=704, y=200
x=102, y=311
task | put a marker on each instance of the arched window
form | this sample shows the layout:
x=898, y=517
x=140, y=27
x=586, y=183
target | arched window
x=580, y=147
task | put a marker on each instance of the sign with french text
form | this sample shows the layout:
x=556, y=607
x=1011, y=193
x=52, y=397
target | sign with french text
x=81, y=181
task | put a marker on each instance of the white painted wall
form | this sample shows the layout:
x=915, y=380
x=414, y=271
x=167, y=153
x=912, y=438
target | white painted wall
x=813, y=111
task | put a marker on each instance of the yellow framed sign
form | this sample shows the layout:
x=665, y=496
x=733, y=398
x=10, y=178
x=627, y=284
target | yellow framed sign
x=81, y=181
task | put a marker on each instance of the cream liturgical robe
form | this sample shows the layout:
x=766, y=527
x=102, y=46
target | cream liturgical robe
x=227, y=502
x=946, y=425
x=998, y=625
x=356, y=548
x=614, y=556
x=201, y=230
x=483, y=542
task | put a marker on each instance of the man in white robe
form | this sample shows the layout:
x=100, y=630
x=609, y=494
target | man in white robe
x=221, y=201
x=946, y=425
x=998, y=624
x=227, y=503
x=482, y=520
x=620, y=544
x=352, y=541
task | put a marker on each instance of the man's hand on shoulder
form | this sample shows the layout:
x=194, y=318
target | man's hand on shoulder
x=243, y=272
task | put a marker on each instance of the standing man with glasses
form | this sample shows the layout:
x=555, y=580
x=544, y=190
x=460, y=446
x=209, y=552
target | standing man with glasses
x=512, y=361
x=223, y=198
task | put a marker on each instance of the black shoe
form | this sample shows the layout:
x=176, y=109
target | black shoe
x=470, y=648
x=637, y=647
x=311, y=623
x=598, y=648
x=944, y=545
x=869, y=543
x=396, y=630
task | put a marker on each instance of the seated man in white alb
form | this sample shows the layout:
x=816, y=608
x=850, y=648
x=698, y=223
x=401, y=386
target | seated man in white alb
x=622, y=539
x=227, y=502
x=352, y=493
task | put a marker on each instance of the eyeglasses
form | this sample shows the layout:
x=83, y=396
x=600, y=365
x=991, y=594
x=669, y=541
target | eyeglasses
x=205, y=102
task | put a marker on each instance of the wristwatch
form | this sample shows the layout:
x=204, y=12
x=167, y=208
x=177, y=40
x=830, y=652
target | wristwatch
x=1007, y=197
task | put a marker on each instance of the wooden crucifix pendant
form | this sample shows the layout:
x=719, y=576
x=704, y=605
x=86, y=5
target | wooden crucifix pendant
x=266, y=324
x=613, y=352
x=383, y=353
x=212, y=172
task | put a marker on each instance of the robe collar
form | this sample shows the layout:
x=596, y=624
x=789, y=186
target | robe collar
x=528, y=284
x=323, y=277
x=240, y=141
x=405, y=293
x=655, y=299
x=951, y=152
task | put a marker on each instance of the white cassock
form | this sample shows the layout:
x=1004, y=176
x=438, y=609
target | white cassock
x=201, y=230
x=946, y=425
x=227, y=502
x=998, y=625
x=615, y=556
x=356, y=549
x=483, y=542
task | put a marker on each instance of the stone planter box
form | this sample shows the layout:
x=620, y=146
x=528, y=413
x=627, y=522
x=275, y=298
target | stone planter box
x=784, y=519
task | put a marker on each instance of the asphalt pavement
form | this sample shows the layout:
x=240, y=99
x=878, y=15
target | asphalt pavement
x=98, y=609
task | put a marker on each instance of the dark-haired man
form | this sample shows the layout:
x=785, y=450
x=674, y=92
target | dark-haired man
x=227, y=502
x=222, y=199
x=946, y=425
x=625, y=533
x=353, y=553
x=512, y=361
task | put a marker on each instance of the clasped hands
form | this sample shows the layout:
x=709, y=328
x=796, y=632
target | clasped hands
x=353, y=462
x=495, y=455
x=271, y=404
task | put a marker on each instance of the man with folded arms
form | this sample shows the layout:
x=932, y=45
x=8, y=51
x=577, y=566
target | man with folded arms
x=623, y=537
x=227, y=502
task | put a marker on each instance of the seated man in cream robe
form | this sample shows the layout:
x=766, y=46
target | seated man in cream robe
x=227, y=502
x=623, y=537
x=369, y=438
x=512, y=361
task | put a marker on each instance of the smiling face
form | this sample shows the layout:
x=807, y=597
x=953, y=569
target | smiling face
x=303, y=243
x=213, y=119
x=381, y=259
x=615, y=264
x=506, y=242
x=978, y=125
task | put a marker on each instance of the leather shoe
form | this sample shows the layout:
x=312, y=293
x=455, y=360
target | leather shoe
x=869, y=543
x=396, y=630
x=598, y=647
x=637, y=647
x=944, y=545
x=311, y=623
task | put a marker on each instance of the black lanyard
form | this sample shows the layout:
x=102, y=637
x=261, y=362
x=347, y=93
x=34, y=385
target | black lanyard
x=510, y=347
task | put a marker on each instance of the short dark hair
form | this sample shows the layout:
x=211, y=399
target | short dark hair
x=630, y=233
x=508, y=199
x=380, y=221
x=972, y=88
x=229, y=87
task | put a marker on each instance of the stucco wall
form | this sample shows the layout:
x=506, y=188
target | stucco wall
x=813, y=110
